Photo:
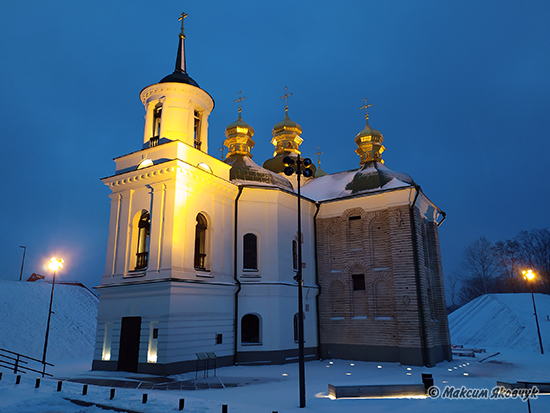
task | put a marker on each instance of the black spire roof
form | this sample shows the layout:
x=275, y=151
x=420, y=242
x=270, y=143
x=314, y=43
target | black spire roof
x=180, y=74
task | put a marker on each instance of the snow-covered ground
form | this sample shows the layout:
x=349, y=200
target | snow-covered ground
x=493, y=320
x=24, y=309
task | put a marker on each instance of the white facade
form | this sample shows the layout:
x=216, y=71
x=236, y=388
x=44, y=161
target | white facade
x=175, y=283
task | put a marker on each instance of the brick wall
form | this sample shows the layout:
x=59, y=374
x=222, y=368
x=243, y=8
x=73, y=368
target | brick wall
x=376, y=247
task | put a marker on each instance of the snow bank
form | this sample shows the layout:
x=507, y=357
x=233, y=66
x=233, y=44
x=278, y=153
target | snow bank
x=24, y=309
x=503, y=321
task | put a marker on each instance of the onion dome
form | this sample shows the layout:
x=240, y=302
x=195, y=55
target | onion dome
x=239, y=137
x=369, y=141
x=180, y=74
x=373, y=174
x=287, y=140
x=369, y=145
x=319, y=172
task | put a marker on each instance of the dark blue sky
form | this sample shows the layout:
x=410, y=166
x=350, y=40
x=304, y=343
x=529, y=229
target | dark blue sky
x=461, y=93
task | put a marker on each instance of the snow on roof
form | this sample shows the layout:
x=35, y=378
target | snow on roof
x=244, y=171
x=328, y=186
x=334, y=185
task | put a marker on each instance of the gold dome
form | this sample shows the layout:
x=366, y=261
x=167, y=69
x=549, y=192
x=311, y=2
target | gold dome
x=369, y=141
x=239, y=138
x=286, y=136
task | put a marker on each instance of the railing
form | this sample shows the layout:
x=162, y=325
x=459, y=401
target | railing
x=15, y=360
x=141, y=261
x=154, y=141
x=200, y=261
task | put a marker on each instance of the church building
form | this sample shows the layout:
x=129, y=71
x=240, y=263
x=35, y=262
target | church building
x=202, y=253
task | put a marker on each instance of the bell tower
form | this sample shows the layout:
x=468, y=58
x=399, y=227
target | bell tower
x=176, y=108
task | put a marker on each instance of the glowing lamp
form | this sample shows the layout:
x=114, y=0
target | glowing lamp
x=55, y=264
x=528, y=275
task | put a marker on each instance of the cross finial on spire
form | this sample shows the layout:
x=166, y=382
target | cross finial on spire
x=239, y=100
x=222, y=149
x=285, y=97
x=366, y=106
x=319, y=153
x=183, y=16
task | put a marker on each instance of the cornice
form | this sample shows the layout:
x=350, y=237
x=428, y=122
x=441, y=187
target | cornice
x=159, y=88
x=174, y=170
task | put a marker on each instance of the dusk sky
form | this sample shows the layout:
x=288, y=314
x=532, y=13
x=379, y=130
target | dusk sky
x=461, y=94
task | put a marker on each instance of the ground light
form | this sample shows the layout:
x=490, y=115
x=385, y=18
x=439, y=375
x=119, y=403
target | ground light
x=530, y=276
x=55, y=264
x=300, y=166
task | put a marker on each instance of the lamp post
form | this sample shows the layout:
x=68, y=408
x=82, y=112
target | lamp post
x=55, y=264
x=23, y=261
x=300, y=166
x=529, y=275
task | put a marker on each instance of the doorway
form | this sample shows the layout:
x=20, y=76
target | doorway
x=128, y=353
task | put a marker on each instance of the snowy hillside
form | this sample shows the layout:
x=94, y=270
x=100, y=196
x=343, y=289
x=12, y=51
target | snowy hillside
x=24, y=308
x=503, y=321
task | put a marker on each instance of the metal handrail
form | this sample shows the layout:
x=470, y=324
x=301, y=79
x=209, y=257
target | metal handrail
x=18, y=360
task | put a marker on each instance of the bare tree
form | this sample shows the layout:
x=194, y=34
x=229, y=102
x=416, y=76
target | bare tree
x=507, y=256
x=534, y=253
x=452, y=283
x=480, y=270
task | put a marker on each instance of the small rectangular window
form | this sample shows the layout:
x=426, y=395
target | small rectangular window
x=155, y=333
x=219, y=338
x=358, y=282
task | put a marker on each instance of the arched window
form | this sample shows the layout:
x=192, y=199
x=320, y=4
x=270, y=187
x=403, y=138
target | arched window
x=250, y=252
x=200, y=242
x=197, y=130
x=250, y=329
x=142, y=252
x=157, y=115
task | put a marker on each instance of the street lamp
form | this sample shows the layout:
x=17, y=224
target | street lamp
x=55, y=264
x=23, y=261
x=529, y=275
x=300, y=166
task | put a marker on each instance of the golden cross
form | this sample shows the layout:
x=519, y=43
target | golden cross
x=319, y=153
x=183, y=16
x=285, y=97
x=240, y=99
x=366, y=107
x=222, y=149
